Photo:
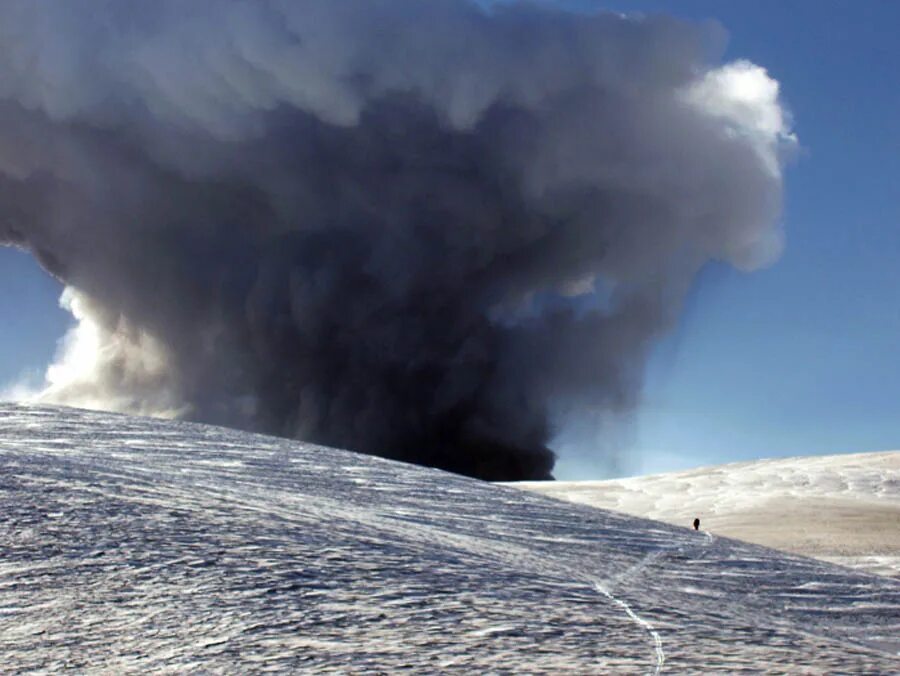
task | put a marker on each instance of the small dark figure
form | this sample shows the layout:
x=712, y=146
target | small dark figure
x=696, y=524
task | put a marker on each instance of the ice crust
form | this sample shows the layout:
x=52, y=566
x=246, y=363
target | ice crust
x=132, y=545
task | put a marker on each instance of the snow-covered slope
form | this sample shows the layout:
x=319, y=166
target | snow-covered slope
x=839, y=508
x=134, y=545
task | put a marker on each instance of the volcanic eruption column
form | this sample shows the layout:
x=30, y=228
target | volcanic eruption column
x=419, y=229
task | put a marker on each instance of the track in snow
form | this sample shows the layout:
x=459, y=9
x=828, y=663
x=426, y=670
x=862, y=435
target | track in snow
x=843, y=509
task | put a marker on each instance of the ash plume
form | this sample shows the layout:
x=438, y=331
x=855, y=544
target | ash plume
x=415, y=228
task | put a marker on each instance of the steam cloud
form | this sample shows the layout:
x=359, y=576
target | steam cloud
x=414, y=228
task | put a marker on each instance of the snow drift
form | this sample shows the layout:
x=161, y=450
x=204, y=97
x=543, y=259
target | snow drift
x=840, y=508
x=137, y=545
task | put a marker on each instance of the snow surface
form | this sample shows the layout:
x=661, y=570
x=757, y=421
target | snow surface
x=839, y=508
x=135, y=545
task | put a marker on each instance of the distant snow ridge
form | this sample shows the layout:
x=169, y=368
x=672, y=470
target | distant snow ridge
x=135, y=545
x=839, y=508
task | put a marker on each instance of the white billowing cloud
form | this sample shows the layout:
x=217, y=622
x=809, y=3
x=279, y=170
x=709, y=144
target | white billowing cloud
x=82, y=347
x=112, y=368
x=746, y=98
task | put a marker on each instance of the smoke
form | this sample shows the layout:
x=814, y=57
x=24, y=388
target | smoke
x=413, y=228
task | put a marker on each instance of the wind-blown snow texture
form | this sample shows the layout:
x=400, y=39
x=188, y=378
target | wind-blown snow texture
x=840, y=508
x=133, y=545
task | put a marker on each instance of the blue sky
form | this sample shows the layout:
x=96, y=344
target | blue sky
x=32, y=321
x=800, y=358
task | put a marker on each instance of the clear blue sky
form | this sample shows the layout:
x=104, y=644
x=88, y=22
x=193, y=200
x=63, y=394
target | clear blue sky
x=31, y=321
x=800, y=358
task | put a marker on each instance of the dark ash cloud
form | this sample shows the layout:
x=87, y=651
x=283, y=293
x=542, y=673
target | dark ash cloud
x=410, y=228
